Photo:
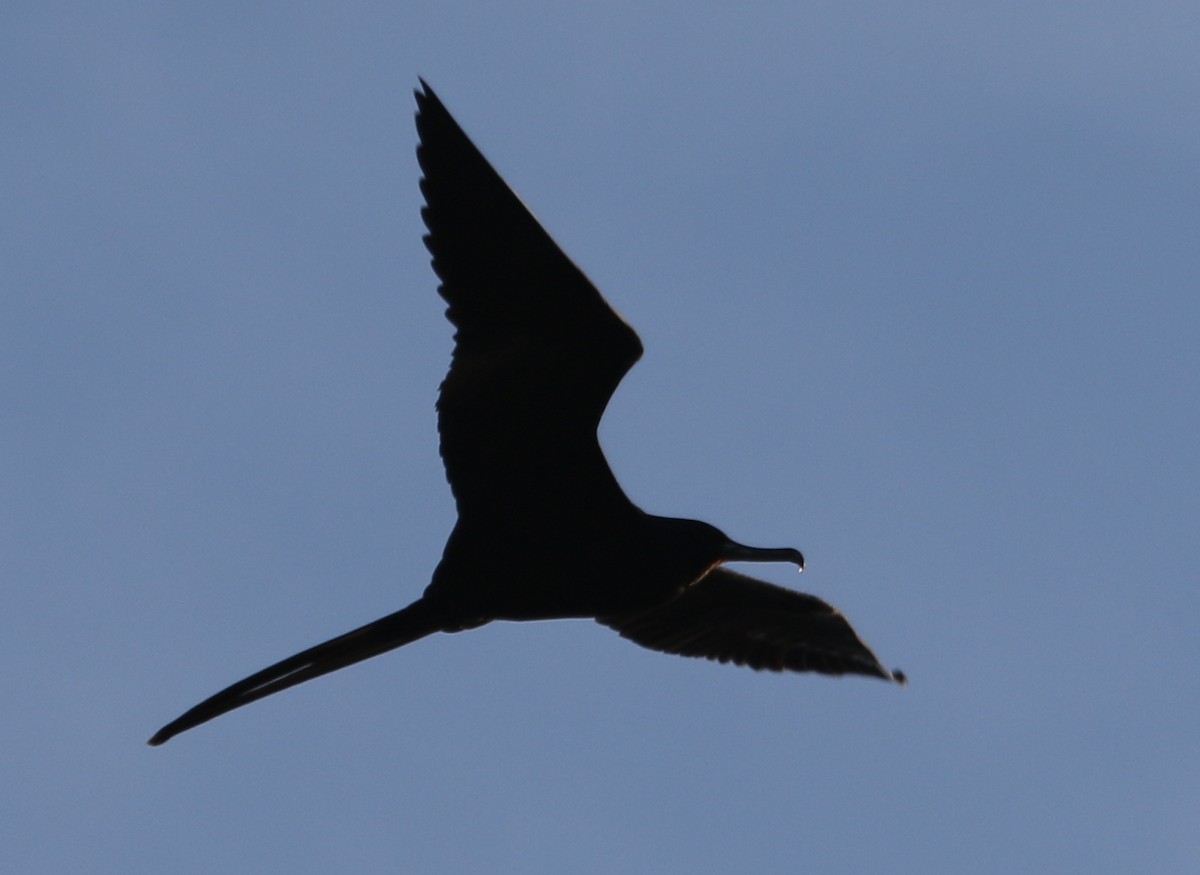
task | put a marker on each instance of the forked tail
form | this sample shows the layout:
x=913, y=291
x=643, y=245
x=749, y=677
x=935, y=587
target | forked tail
x=395, y=630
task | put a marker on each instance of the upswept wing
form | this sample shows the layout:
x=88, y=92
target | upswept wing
x=729, y=617
x=538, y=352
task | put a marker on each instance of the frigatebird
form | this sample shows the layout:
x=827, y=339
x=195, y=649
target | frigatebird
x=544, y=531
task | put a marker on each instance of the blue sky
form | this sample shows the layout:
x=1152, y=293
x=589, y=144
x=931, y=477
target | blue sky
x=918, y=289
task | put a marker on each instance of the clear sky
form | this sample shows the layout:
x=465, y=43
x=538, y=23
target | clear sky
x=918, y=285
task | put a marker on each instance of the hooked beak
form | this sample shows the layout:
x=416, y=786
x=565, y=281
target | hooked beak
x=735, y=552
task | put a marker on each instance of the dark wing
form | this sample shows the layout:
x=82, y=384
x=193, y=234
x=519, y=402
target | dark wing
x=733, y=618
x=538, y=352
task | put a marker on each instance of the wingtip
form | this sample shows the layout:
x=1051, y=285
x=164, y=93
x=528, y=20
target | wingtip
x=425, y=94
x=165, y=734
x=899, y=677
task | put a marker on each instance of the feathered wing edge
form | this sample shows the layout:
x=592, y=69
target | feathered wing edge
x=728, y=617
x=538, y=351
x=395, y=630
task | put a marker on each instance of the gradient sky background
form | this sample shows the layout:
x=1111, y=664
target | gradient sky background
x=918, y=288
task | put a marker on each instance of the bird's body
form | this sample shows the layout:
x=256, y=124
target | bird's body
x=528, y=575
x=544, y=530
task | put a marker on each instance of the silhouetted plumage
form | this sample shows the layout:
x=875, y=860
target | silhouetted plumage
x=544, y=531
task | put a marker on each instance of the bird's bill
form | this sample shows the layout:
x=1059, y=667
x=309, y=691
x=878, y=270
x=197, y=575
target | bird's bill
x=735, y=552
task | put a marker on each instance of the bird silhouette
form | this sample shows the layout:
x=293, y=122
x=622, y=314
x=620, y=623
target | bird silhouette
x=544, y=531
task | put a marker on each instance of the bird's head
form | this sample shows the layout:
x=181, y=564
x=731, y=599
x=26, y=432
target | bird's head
x=702, y=547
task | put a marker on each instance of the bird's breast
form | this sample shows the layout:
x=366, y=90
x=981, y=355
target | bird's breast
x=585, y=574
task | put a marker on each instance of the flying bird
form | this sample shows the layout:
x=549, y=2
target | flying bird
x=544, y=531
